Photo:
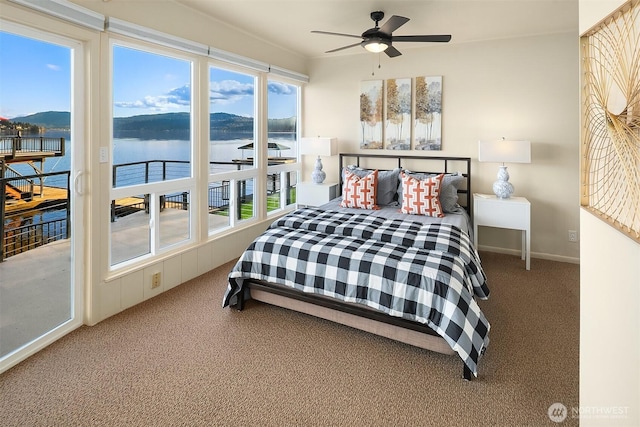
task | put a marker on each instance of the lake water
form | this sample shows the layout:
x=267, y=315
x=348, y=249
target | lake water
x=129, y=150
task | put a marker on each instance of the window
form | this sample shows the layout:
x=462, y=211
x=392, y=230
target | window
x=232, y=130
x=252, y=148
x=152, y=176
x=232, y=147
x=282, y=125
x=219, y=196
x=235, y=191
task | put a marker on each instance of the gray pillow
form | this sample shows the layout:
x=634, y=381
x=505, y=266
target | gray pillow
x=388, y=182
x=448, y=193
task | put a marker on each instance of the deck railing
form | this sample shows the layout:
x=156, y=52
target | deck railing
x=31, y=236
x=11, y=146
x=19, y=184
x=18, y=238
x=18, y=231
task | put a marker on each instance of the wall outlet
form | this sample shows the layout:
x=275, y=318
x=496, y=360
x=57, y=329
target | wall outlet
x=573, y=236
x=155, y=280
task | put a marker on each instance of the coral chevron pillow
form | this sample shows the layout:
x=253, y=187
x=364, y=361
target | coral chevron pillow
x=359, y=192
x=421, y=196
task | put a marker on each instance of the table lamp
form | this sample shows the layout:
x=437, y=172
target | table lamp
x=504, y=151
x=319, y=146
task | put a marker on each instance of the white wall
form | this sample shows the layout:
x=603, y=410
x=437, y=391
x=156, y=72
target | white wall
x=609, y=322
x=609, y=301
x=119, y=293
x=523, y=88
x=591, y=12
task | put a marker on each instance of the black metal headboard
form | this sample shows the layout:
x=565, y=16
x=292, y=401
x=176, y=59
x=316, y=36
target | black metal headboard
x=422, y=164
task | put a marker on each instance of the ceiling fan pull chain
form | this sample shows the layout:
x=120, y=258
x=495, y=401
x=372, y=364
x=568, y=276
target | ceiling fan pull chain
x=373, y=72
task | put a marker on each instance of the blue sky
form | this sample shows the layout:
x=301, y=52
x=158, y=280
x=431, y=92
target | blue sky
x=34, y=76
x=144, y=83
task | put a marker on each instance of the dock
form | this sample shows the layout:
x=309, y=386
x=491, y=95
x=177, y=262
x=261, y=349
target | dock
x=45, y=197
x=16, y=148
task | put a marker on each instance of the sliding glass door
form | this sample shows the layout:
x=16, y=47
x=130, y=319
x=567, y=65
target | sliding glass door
x=41, y=190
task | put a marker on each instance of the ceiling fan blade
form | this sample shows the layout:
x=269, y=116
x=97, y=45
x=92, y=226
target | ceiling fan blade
x=392, y=52
x=393, y=24
x=345, y=47
x=337, y=34
x=427, y=38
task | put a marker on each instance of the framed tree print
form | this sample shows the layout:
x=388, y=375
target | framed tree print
x=428, y=113
x=397, y=129
x=371, y=114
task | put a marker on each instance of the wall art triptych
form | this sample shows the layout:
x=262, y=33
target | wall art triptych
x=400, y=114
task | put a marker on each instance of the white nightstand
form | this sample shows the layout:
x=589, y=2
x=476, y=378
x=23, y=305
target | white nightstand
x=312, y=194
x=513, y=213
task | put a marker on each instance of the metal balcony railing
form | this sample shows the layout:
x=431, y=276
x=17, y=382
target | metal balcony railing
x=37, y=219
x=44, y=217
x=15, y=146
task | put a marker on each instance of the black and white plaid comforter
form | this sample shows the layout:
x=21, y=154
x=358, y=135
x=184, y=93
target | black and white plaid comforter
x=428, y=273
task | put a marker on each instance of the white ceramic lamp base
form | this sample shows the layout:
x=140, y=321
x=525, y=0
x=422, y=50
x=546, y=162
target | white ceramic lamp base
x=318, y=175
x=502, y=188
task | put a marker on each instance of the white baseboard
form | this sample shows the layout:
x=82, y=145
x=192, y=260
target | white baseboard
x=540, y=255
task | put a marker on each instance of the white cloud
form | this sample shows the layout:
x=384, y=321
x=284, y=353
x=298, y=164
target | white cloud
x=175, y=99
x=229, y=91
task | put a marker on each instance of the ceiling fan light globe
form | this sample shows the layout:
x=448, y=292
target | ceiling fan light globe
x=375, y=45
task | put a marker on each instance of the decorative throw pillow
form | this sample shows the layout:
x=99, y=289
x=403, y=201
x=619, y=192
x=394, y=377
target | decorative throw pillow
x=421, y=196
x=449, y=192
x=359, y=192
x=387, y=183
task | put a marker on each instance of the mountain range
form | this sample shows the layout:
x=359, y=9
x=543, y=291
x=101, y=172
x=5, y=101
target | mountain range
x=168, y=124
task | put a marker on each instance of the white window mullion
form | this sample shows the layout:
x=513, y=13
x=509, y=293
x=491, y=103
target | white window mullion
x=233, y=205
x=262, y=154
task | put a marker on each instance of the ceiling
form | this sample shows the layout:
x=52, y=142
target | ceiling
x=288, y=23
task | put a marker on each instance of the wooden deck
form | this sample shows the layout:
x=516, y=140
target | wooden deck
x=27, y=156
x=54, y=195
x=49, y=195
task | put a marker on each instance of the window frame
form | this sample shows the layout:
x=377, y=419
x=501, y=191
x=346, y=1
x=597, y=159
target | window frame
x=155, y=189
x=201, y=177
x=284, y=169
x=261, y=169
x=80, y=42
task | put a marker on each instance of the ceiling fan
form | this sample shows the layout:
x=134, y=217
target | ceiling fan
x=379, y=39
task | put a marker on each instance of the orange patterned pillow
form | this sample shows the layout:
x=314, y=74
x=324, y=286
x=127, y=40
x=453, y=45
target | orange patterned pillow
x=359, y=192
x=421, y=197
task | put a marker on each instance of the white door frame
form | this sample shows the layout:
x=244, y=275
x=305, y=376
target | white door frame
x=79, y=132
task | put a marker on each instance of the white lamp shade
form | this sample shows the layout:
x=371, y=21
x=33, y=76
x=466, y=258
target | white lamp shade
x=504, y=151
x=319, y=146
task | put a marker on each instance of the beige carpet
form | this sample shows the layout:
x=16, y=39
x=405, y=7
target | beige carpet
x=180, y=359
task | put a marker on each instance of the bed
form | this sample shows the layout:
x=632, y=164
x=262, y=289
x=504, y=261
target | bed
x=358, y=260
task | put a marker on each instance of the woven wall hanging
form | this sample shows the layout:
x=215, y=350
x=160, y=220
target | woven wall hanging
x=610, y=149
